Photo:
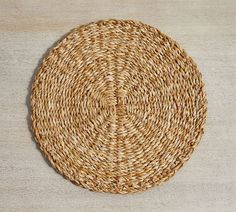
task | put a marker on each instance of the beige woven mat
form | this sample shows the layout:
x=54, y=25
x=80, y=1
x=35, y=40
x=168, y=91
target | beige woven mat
x=117, y=106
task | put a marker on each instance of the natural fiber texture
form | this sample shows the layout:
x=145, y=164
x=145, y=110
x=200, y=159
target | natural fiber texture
x=117, y=106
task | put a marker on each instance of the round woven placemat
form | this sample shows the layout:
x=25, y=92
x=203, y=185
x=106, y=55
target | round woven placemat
x=117, y=106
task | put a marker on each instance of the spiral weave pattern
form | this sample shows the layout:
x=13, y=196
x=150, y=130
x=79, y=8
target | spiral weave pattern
x=117, y=106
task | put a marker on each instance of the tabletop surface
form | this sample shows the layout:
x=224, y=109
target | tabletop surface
x=206, y=29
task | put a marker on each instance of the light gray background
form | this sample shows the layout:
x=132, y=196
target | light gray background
x=205, y=28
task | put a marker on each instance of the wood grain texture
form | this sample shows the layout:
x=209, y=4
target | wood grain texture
x=205, y=28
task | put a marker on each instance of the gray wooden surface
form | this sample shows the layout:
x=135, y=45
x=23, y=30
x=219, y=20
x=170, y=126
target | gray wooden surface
x=205, y=28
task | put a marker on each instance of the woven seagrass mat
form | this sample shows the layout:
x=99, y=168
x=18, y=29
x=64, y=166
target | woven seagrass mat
x=117, y=106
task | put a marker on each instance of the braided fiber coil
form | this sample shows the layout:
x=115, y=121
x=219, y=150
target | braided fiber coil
x=117, y=106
